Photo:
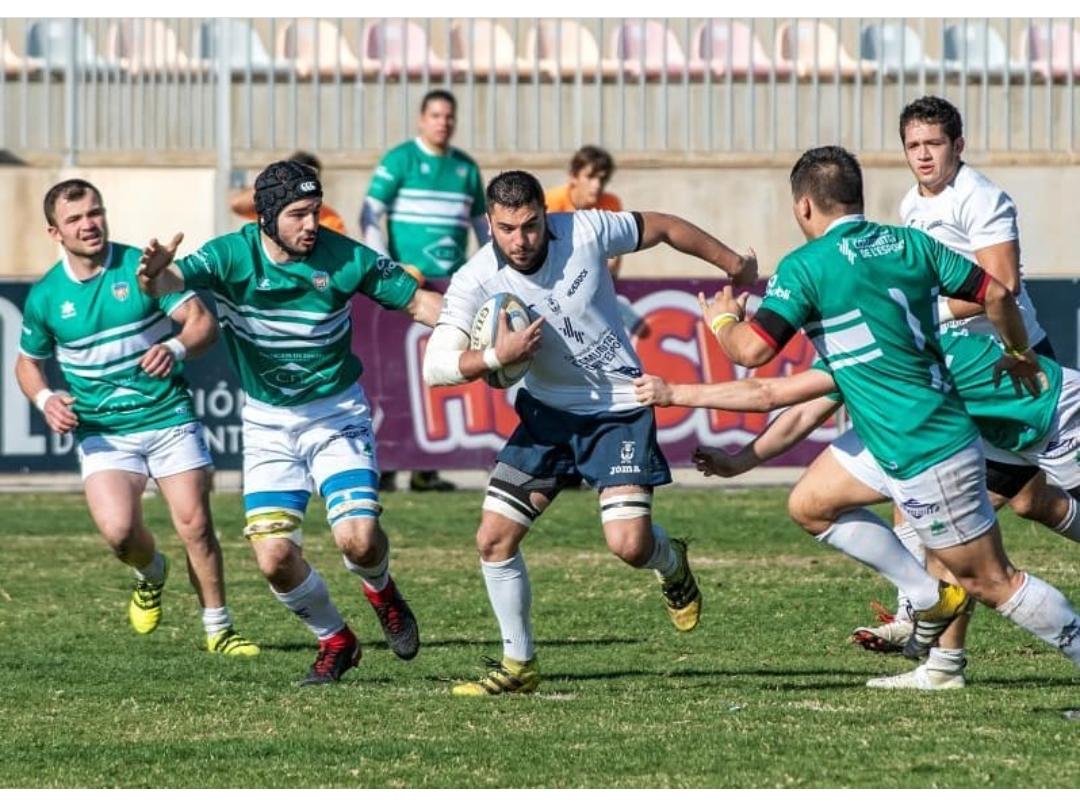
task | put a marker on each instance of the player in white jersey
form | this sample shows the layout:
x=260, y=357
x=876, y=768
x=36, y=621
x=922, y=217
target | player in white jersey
x=126, y=403
x=963, y=209
x=579, y=415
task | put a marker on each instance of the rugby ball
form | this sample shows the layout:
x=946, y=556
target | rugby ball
x=486, y=324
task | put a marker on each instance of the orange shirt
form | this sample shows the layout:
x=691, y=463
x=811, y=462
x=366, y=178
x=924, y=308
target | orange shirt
x=557, y=200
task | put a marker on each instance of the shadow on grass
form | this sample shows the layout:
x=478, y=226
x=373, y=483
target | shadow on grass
x=720, y=673
x=381, y=646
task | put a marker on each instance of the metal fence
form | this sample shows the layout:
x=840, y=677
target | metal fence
x=216, y=90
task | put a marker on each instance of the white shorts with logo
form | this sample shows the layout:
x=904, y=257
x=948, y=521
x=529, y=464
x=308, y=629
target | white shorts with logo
x=1058, y=455
x=946, y=504
x=158, y=454
x=326, y=446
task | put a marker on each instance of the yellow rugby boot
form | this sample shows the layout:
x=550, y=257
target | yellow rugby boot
x=682, y=599
x=230, y=642
x=507, y=676
x=932, y=622
x=144, y=609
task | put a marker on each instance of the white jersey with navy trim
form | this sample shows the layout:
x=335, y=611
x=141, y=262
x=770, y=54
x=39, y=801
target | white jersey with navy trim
x=586, y=363
x=971, y=213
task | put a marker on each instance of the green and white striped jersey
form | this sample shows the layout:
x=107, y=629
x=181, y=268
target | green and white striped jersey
x=99, y=330
x=431, y=201
x=288, y=326
x=866, y=294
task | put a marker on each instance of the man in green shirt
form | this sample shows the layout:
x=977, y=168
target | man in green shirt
x=431, y=194
x=284, y=289
x=127, y=403
x=866, y=295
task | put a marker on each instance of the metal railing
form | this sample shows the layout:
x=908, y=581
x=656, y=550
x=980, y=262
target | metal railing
x=219, y=89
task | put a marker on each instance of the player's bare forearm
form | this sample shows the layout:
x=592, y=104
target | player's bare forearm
x=198, y=327
x=755, y=394
x=792, y=427
x=1004, y=313
x=1002, y=262
x=30, y=375
x=55, y=407
x=680, y=234
x=743, y=346
x=168, y=281
x=424, y=306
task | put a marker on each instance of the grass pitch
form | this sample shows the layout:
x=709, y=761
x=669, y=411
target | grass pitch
x=766, y=692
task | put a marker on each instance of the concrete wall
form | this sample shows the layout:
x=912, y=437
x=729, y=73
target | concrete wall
x=743, y=203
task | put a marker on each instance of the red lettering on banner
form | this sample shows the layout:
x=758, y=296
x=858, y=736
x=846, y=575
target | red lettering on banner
x=661, y=324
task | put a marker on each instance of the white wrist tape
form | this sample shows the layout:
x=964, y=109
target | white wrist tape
x=944, y=312
x=491, y=360
x=442, y=358
x=41, y=397
x=177, y=348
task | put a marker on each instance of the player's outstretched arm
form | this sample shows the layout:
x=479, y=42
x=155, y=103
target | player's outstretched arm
x=724, y=314
x=424, y=306
x=749, y=394
x=198, y=331
x=1019, y=361
x=680, y=234
x=785, y=431
x=54, y=404
x=157, y=273
x=448, y=361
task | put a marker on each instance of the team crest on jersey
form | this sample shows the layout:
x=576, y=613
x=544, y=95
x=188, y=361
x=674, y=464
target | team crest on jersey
x=626, y=453
x=67, y=310
x=553, y=304
x=121, y=291
x=425, y=168
x=462, y=171
x=321, y=280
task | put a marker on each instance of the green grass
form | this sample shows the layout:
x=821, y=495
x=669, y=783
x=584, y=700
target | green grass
x=767, y=692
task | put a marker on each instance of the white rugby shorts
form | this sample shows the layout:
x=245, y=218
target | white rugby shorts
x=158, y=454
x=947, y=504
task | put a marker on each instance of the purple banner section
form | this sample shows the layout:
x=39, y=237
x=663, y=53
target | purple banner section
x=460, y=427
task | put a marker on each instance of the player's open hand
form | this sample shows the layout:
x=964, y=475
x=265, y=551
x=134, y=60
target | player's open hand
x=158, y=361
x=59, y=414
x=724, y=301
x=1024, y=371
x=652, y=391
x=155, y=258
x=746, y=272
x=718, y=462
x=514, y=345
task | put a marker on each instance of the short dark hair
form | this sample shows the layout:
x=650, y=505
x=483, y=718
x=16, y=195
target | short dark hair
x=306, y=158
x=830, y=176
x=438, y=95
x=933, y=110
x=68, y=190
x=514, y=190
x=592, y=157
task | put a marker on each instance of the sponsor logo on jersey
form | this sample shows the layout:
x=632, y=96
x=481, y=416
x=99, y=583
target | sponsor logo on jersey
x=264, y=283
x=878, y=245
x=425, y=168
x=574, y=286
x=291, y=378
x=571, y=332
x=321, y=280
x=381, y=172
x=937, y=528
x=1057, y=448
x=119, y=394
x=386, y=267
x=445, y=253
x=121, y=291
x=917, y=509
x=774, y=289
x=67, y=310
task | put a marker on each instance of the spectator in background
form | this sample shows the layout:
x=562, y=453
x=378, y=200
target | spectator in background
x=591, y=168
x=242, y=200
x=431, y=194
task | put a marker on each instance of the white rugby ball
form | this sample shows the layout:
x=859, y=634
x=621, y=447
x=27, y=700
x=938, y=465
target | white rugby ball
x=486, y=324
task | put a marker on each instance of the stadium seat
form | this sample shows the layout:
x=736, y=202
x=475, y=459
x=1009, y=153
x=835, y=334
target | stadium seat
x=561, y=46
x=50, y=41
x=144, y=45
x=648, y=47
x=243, y=46
x=318, y=45
x=895, y=48
x=1047, y=47
x=976, y=45
x=814, y=45
x=488, y=47
x=15, y=65
x=720, y=45
x=401, y=47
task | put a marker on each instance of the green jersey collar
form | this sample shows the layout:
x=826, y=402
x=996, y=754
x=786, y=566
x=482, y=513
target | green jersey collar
x=844, y=219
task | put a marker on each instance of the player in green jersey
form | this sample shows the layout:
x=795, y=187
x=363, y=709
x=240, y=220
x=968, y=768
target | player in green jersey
x=127, y=403
x=432, y=193
x=284, y=288
x=866, y=294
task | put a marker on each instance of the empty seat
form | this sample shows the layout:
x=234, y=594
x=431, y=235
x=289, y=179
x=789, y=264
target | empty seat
x=242, y=46
x=318, y=46
x=1047, y=47
x=147, y=45
x=815, y=45
x=488, y=47
x=560, y=47
x=647, y=47
x=50, y=41
x=401, y=48
x=895, y=48
x=723, y=45
x=976, y=45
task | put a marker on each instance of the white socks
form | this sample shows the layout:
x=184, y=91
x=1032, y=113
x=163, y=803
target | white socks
x=910, y=538
x=216, y=619
x=511, y=598
x=154, y=571
x=310, y=601
x=1070, y=524
x=663, y=560
x=863, y=536
x=375, y=578
x=1045, y=613
x=949, y=661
